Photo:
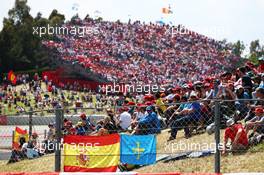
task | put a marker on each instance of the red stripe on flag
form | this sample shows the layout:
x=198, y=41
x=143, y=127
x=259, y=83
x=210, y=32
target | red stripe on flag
x=10, y=73
x=80, y=169
x=15, y=145
x=20, y=131
x=98, y=140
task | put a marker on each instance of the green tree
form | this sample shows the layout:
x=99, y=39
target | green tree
x=75, y=19
x=20, y=12
x=238, y=48
x=254, y=46
x=256, y=51
x=19, y=48
x=56, y=18
x=39, y=21
x=87, y=17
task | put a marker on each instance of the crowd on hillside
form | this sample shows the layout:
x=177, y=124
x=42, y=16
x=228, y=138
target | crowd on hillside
x=147, y=53
x=189, y=107
x=143, y=53
x=38, y=93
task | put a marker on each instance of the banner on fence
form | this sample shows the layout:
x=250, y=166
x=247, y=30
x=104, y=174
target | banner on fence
x=91, y=153
x=138, y=150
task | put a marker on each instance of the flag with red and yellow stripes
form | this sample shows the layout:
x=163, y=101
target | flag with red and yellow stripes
x=12, y=77
x=91, y=153
x=18, y=135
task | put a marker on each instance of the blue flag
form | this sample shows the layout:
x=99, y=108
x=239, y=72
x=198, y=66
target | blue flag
x=138, y=149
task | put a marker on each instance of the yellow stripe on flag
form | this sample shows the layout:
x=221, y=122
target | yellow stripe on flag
x=12, y=77
x=17, y=137
x=91, y=157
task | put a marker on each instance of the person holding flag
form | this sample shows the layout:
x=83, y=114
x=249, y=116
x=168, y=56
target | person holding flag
x=19, y=142
x=12, y=77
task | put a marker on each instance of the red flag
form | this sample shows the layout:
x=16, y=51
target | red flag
x=12, y=77
x=17, y=135
x=166, y=10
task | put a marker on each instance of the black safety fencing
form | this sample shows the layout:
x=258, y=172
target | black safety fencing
x=189, y=129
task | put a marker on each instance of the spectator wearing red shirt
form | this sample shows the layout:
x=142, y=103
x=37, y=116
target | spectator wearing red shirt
x=260, y=68
x=238, y=136
x=36, y=77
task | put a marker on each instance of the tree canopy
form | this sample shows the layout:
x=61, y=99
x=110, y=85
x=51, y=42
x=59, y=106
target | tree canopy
x=20, y=49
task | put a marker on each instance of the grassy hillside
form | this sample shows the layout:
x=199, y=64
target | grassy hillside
x=252, y=161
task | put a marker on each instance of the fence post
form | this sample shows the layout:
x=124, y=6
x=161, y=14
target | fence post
x=30, y=123
x=45, y=133
x=13, y=138
x=217, y=136
x=58, y=115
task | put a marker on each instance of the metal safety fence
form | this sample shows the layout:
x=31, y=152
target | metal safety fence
x=211, y=128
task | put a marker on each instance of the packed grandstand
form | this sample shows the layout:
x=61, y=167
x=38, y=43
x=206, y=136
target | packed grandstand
x=196, y=70
x=144, y=53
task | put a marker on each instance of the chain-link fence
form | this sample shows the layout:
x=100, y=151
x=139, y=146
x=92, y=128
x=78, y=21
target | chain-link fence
x=185, y=131
x=22, y=138
x=242, y=135
x=25, y=137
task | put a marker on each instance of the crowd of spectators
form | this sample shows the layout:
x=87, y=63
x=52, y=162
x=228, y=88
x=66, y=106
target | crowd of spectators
x=40, y=94
x=147, y=53
x=189, y=107
x=143, y=53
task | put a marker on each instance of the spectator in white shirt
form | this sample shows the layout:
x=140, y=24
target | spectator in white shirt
x=124, y=119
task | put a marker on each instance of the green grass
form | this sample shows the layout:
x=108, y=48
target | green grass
x=43, y=164
x=257, y=148
x=251, y=161
x=13, y=111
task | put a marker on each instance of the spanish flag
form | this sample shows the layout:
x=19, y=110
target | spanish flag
x=18, y=135
x=91, y=153
x=12, y=77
